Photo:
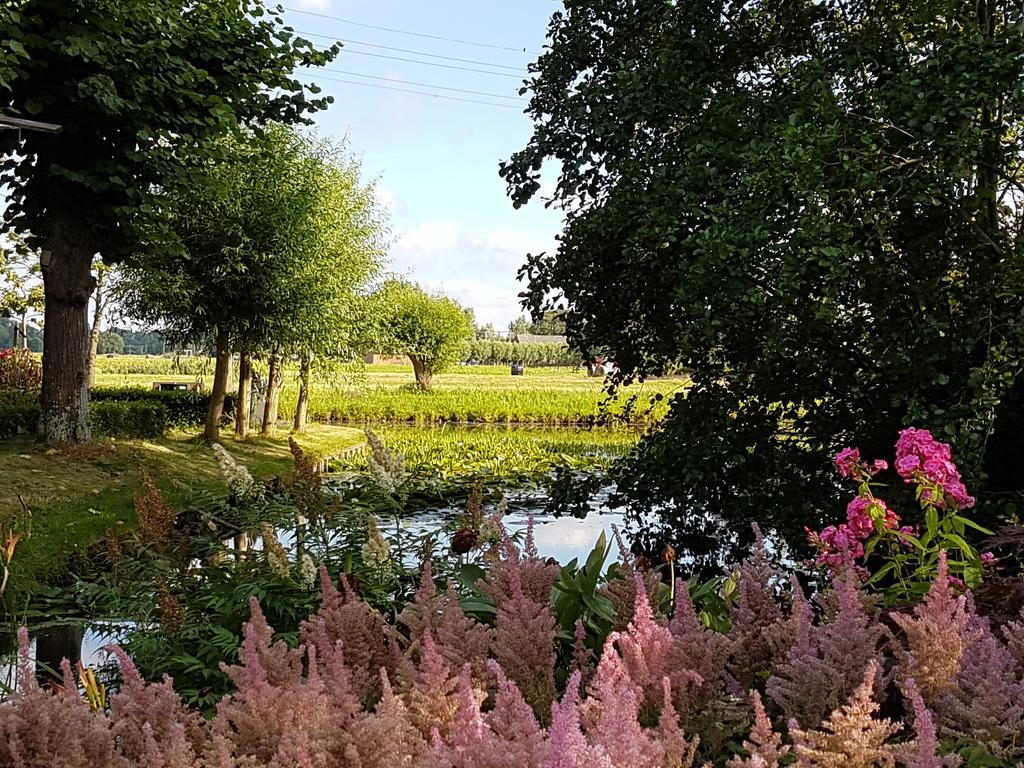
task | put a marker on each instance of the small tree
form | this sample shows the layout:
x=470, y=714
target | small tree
x=110, y=343
x=429, y=328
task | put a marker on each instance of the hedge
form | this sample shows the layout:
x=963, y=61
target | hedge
x=506, y=352
x=116, y=412
x=184, y=409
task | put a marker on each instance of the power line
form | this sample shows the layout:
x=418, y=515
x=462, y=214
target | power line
x=415, y=34
x=417, y=53
x=425, y=85
x=421, y=93
x=433, y=64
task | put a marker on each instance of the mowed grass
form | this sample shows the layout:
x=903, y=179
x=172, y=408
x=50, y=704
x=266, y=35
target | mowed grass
x=467, y=394
x=64, y=500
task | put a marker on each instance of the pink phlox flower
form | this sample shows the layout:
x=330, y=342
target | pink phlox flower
x=847, y=460
x=922, y=458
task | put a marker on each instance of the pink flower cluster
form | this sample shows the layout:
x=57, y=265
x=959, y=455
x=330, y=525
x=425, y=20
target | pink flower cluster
x=849, y=464
x=838, y=546
x=921, y=458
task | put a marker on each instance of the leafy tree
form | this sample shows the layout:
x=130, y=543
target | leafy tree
x=106, y=287
x=262, y=267
x=813, y=206
x=429, y=328
x=140, y=87
x=21, y=290
x=520, y=325
x=550, y=323
x=110, y=343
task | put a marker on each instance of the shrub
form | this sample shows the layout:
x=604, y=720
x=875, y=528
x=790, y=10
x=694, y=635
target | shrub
x=184, y=409
x=19, y=370
x=19, y=412
x=129, y=419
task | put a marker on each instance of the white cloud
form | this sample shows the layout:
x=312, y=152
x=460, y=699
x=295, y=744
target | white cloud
x=476, y=268
x=311, y=5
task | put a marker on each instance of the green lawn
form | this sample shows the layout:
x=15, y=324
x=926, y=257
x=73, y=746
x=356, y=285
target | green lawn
x=65, y=500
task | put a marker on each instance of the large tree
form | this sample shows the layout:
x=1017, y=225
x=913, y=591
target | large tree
x=816, y=208
x=271, y=249
x=139, y=88
x=428, y=328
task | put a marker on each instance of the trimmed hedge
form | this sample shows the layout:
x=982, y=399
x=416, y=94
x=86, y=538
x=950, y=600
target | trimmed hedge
x=116, y=412
x=114, y=418
x=184, y=409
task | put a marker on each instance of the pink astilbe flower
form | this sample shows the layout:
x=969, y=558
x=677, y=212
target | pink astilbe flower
x=611, y=712
x=424, y=611
x=761, y=633
x=764, y=747
x=1013, y=633
x=851, y=737
x=39, y=729
x=582, y=656
x=676, y=750
x=260, y=717
x=151, y=720
x=518, y=738
x=524, y=645
x=827, y=662
x=646, y=649
x=922, y=458
x=567, y=747
x=388, y=739
x=536, y=576
x=462, y=640
x=936, y=636
x=985, y=702
x=434, y=698
x=621, y=590
x=362, y=631
x=469, y=729
x=923, y=752
x=698, y=656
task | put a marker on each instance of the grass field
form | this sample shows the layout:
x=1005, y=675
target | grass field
x=467, y=394
x=64, y=501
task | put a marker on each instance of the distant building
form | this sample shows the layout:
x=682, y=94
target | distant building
x=373, y=358
x=533, y=338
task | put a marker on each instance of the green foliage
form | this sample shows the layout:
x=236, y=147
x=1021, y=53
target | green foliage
x=276, y=265
x=183, y=409
x=134, y=419
x=110, y=343
x=430, y=329
x=815, y=209
x=198, y=73
x=19, y=412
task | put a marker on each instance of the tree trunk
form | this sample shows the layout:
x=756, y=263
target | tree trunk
x=273, y=396
x=67, y=286
x=24, y=330
x=302, y=405
x=422, y=371
x=94, y=335
x=244, y=391
x=220, y=387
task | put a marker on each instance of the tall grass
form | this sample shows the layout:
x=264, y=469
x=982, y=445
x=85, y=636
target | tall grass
x=469, y=394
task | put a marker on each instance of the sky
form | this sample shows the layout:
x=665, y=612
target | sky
x=434, y=160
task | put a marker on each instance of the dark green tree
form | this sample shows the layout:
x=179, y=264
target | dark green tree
x=140, y=87
x=813, y=206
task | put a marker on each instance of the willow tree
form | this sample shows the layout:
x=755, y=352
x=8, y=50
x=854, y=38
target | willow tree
x=815, y=207
x=140, y=88
x=430, y=329
x=270, y=248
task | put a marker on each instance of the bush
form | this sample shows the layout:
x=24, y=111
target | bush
x=142, y=419
x=20, y=370
x=184, y=409
x=19, y=412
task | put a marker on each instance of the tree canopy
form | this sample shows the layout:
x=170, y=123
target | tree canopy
x=140, y=88
x=429, y=328
x=271, y=250
x=815, y=208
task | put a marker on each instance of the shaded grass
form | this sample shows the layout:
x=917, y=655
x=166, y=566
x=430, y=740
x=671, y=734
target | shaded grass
x=64, y=501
